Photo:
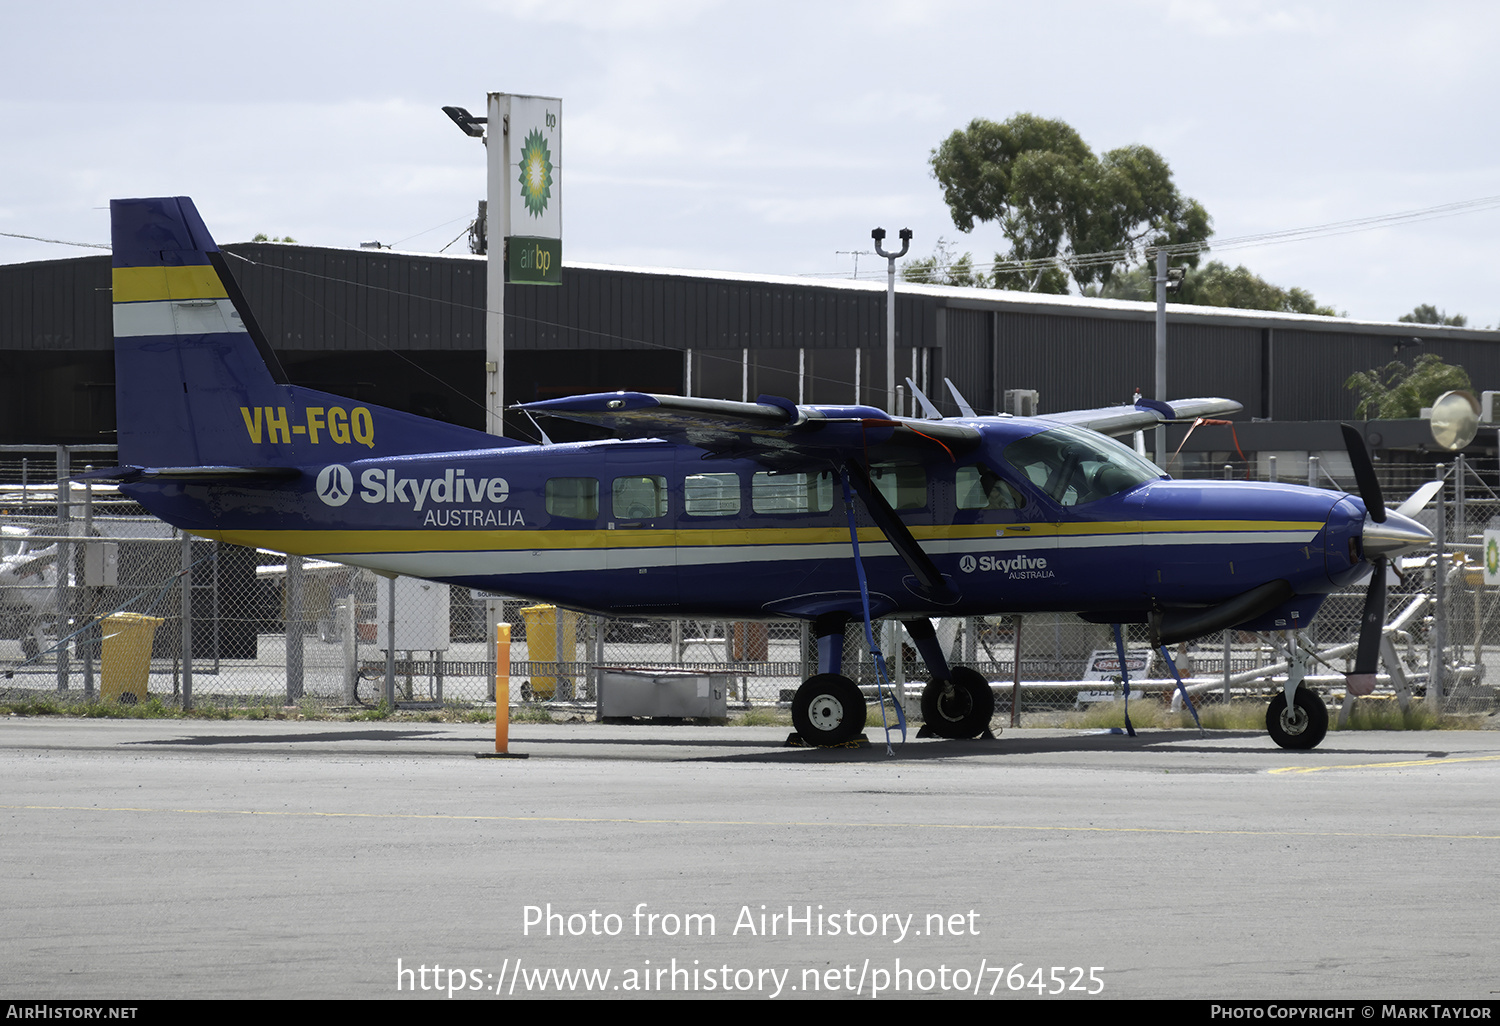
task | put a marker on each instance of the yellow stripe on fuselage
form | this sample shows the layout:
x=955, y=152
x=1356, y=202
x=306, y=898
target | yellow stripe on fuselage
x=446, y=540
x=154, y=284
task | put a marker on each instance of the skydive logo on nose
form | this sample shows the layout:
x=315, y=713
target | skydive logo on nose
x=335, y=485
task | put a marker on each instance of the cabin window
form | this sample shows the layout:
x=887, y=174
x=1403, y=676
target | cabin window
x=791, y=493
x=576, y=497
x=904, y=485
x=640, y=498
x=1075, y=466
x=979, y=487
x=711, y=495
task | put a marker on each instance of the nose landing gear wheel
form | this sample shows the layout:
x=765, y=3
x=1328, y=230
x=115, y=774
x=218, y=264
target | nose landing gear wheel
x=963, y=713
x=828, y=710
x=1302, y=726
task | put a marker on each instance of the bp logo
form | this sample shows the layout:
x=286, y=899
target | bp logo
x=536, y=173
x=335, y=485
x=1492, y=556
x=967, y=564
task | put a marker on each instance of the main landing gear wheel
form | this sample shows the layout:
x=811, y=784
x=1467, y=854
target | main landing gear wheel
x=965, y=712
x=828, y=710
x=1303, y=726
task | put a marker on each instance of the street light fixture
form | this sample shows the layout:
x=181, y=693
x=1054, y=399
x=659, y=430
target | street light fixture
x=467, y=123
x=878, y=234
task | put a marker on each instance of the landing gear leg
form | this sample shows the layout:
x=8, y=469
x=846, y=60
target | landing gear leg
x=829, y=708
x=958, y=704
x=1297, y=718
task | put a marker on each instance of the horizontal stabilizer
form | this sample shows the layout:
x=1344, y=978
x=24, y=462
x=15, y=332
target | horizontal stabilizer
x=216, y=474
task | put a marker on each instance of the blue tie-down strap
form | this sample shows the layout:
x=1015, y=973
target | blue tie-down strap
x=1172, y=665
x=1124, y=678
x=882, y=682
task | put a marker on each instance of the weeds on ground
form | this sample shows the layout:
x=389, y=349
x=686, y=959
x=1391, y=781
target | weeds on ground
x=762, y=716
x=872, y=716
x=530, y=712
x=1386, y=714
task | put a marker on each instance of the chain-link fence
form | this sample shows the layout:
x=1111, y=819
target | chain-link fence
x=100, y=602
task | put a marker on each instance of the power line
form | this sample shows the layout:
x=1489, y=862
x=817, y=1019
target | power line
x=56, y=242
x=1329, y=229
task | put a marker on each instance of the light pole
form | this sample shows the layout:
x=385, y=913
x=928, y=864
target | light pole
x=890, y=312
x=494, y=317
x=1166, y=280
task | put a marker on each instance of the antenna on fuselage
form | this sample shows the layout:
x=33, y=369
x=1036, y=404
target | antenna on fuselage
x=928, y=409
x=539, y=430
x=963, y=404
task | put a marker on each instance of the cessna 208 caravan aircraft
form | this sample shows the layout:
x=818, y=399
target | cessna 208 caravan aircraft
x=708, y=507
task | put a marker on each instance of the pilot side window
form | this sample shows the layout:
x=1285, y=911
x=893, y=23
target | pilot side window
x=979, y=487
x=640, y=498
x=1074, y=466
x=904, y=485
x=711, y=495
x=791, y=493
x=576, y=497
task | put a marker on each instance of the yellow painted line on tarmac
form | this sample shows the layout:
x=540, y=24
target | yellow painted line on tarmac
x=1404, y=764
x=824, y=824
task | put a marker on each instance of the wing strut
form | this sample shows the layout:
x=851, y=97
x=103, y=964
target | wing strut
x=897, y=533
x=882, y=681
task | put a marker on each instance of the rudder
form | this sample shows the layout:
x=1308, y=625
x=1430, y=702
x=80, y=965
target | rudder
x=198, y=385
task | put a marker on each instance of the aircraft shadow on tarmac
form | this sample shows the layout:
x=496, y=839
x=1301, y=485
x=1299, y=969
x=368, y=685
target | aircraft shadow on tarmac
x=281, y=739
x=1185, y=742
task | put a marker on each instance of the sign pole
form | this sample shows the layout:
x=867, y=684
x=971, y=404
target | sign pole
x=497, y=231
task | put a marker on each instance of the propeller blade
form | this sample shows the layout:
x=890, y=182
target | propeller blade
x=1364, y=473
x=1419, y=499
x=1371, y=627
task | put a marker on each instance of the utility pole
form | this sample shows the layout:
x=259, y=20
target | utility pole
x=890, y=312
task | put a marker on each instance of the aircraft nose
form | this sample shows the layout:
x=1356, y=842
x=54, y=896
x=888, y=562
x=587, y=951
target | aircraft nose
x=1396, y=535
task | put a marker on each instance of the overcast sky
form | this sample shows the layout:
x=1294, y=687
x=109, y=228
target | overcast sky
x=763, y=137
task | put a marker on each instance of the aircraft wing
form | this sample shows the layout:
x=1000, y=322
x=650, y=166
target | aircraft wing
x=1146, y=413
x=772, y=430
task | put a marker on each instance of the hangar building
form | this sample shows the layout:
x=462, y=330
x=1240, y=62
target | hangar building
x=407, y=330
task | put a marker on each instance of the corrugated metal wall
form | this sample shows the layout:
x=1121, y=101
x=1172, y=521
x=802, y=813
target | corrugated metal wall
x=315, y=301
x=608, y=309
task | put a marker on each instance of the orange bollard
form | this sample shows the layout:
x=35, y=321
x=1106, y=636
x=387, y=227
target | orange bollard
x=502, y=696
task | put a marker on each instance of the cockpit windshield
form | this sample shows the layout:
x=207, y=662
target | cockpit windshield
x=1074, y=465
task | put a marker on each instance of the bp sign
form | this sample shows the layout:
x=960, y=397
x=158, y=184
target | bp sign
x=533, y=160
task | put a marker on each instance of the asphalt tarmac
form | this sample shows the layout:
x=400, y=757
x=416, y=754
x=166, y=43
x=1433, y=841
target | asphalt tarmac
x=187, y=859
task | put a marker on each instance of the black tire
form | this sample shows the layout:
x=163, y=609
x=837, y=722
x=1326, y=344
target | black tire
x=1304, y=727
x=29, y=647
x=828, y=709
x=963, y=714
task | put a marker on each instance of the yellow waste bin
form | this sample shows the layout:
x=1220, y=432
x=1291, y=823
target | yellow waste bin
x=551, y=636
x=125, y=662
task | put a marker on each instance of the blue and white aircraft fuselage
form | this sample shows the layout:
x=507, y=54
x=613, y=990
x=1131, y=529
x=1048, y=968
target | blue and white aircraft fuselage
x=707, y=507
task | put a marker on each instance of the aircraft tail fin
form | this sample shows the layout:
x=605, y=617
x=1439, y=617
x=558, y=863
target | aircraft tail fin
x=196, y=382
